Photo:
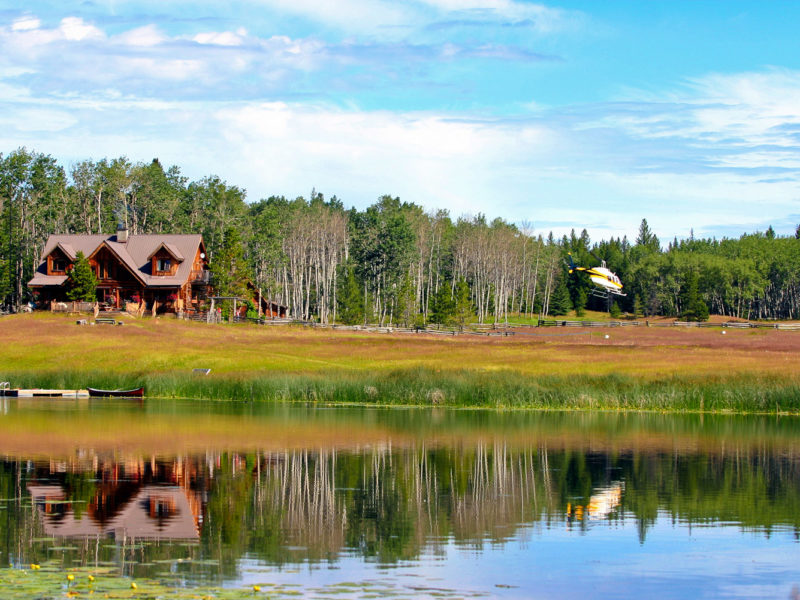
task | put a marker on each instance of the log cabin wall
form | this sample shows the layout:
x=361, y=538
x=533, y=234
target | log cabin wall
x=116, y=285
x=58, y=263
x=163, y=264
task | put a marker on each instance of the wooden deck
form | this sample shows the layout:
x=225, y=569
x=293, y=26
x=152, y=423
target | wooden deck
x=42, y=393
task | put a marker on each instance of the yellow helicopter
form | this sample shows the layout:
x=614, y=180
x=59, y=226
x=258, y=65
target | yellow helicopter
x=607, y=282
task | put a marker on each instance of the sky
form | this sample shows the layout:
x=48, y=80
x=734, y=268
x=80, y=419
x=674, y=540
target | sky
x=563, y=115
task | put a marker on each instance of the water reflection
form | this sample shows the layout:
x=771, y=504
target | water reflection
x=395, y=501
x=151, y=513
x=385, y=505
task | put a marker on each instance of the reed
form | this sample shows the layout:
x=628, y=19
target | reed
x=462, y=388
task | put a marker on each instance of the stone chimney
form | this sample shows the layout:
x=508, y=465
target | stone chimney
x=122, y=233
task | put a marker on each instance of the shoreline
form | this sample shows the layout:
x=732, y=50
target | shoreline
x=640, y=369
x=424, y=387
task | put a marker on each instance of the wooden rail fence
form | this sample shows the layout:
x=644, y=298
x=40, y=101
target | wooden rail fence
x=490, y=330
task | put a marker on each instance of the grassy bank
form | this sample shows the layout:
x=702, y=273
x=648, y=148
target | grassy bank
x=639, y=369
x=463, y=388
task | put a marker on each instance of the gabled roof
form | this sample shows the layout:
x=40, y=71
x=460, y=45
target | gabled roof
x=67, y=249
x=135, y=254
x=121, y=253
x=170, y=248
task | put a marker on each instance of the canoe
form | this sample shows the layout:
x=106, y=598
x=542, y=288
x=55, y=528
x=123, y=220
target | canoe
x=134, y=393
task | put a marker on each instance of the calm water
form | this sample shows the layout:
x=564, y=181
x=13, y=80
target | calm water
x=410, y=502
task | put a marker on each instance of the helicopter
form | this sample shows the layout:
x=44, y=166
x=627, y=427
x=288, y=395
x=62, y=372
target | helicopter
x=607, y=282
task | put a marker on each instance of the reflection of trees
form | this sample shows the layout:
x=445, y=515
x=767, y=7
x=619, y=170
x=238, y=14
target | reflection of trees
x=383, y=504
x=386, y=504
x=299, y=486
x=503, y=489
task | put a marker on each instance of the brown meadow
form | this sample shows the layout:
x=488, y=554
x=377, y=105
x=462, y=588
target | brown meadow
x=45, y=342
x=638, y=368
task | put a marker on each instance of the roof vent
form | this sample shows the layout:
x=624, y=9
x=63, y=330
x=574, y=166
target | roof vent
x=122, y=233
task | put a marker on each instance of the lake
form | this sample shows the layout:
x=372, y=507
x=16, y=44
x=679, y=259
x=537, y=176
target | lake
x=405, y=502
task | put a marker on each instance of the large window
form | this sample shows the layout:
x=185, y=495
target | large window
x=59, y=265
x=163, y=265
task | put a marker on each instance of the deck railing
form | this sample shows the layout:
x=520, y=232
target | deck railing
x=201, y=276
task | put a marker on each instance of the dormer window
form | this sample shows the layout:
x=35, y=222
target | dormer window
x=59, y=265
x=163, y=265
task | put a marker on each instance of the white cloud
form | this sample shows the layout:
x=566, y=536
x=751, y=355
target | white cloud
x=745, y=109
x=397, y=19
x=539, y=17
x=147, y=36
x=34, y=119
x=67, y=57
x=26, y=24
x=219, y=38
x=362, y=16
x=26, y=34
x=160, y=69
x=76, y=29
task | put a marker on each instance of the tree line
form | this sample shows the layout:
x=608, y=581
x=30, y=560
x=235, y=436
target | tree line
x=391, y=263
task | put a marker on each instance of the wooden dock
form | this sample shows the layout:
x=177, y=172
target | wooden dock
x=42, y=393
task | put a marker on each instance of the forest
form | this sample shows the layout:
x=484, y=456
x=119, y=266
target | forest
x=392, y=263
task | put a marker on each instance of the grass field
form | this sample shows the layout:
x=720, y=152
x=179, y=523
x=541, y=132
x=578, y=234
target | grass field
x=639, y=368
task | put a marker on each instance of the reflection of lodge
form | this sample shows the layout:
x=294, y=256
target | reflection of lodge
x=137, y=499
x=153, y=513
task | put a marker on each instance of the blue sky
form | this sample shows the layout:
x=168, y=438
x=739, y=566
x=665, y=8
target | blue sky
x=571, y=114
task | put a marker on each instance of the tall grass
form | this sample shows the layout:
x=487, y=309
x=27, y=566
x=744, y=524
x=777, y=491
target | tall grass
x=465, y=388
x=646, y=369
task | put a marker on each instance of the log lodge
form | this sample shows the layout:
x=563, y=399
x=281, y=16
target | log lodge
x=168, y=271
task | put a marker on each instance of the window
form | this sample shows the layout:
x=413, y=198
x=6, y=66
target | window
x=163, y=264
x=59, y=265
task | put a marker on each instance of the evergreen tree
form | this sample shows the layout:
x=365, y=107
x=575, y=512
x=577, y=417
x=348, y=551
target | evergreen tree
x=405, y=302
x=637, y=306
x=462, y=309
x=560, y=304
x=350, y=298
x=647, y=238
x=231, y=273
x=580, y=302
x=443, y=306
x=81, y=282
x=693, y=308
